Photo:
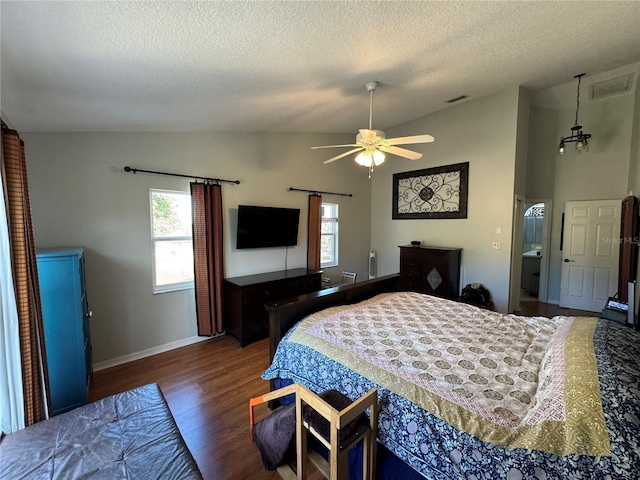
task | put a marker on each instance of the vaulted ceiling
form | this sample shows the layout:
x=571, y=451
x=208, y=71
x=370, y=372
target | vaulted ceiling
x=284, y=66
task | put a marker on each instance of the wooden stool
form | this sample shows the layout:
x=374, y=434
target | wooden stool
x=338, y=448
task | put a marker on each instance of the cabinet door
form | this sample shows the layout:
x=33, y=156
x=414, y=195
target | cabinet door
x=434, y=268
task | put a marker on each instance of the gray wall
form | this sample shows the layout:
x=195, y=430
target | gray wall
x=81, y=196
x=541, y=161
x=601, y=173
x=483, y=133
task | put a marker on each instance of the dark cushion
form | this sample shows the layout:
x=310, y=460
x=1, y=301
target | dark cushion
x=338, y=401
x=275, y=436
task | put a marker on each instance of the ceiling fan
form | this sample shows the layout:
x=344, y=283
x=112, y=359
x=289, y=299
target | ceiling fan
x=372, y=144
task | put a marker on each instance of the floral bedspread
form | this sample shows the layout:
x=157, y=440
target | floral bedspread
x=510, y=397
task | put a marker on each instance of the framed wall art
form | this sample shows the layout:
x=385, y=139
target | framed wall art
x=439, y=192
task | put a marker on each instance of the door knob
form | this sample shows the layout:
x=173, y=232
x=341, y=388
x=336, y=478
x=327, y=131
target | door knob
x=566, y=260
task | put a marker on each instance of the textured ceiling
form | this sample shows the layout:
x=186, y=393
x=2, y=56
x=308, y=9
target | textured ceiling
x=283, y=66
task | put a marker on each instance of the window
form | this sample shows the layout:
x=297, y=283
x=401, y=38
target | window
x=172, y=240
x=329, y=235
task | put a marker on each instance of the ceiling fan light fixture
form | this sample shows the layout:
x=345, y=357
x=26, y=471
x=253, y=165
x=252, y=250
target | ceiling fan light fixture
x=370, y=158
x=371, y=145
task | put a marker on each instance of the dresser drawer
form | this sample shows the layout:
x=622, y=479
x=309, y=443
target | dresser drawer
x=410, y=253
x=263, y=293
x=410, y=265
x=302, y=285
x=254, y=310
x=409, y=285
x=255, y=329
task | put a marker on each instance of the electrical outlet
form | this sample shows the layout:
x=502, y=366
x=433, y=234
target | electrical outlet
x=496, y=245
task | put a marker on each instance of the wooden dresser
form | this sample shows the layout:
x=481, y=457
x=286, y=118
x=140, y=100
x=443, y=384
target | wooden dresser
x=244, y=297
x=431, y=270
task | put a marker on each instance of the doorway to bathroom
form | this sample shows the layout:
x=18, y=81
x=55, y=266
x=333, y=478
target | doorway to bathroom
x=535, y=251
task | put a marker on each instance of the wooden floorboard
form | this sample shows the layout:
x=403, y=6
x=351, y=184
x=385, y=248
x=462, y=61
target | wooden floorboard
x=208, y=386
x=532, y=308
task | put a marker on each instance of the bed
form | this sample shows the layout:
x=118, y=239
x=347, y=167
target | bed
x=469, y=393
x=131, y=435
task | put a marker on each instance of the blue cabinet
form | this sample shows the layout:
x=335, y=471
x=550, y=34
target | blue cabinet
x=66, y=314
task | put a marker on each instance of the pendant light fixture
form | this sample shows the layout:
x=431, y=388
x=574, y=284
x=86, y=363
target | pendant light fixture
x=577, y=135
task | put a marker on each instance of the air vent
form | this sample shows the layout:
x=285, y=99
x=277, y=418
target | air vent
x=457, y=99
x=611, y=87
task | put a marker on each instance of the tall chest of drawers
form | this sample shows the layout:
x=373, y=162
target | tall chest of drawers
x=430, y=270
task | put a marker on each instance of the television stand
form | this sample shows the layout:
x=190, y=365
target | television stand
x=244, y=298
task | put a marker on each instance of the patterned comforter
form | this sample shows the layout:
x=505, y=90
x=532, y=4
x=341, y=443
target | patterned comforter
x=467, y=393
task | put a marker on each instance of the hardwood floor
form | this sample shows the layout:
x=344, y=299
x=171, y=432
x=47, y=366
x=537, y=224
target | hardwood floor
x=208, y=386
x=530, y=308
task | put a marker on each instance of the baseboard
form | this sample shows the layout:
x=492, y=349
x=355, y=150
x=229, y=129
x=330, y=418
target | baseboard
x=147, y=353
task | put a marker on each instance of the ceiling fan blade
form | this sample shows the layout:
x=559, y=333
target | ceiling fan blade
x=334, y=146
x=402, y=152
x=338, y=157
x=414, y=139
x=367, y=134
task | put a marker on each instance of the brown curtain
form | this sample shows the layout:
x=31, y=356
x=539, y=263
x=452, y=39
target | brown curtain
x=25, y=276
x=315, y=230
x=208, y=257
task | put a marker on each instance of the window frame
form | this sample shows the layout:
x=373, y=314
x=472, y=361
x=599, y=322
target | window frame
x=334, y=260
x=169, y=287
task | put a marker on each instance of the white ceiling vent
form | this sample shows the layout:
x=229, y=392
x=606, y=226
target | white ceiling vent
x=612, y=87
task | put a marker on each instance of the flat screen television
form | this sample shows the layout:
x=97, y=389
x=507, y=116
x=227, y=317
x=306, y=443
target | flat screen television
x=265, y=227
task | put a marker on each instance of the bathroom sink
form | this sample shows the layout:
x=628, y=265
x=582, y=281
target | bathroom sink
x=532, y=254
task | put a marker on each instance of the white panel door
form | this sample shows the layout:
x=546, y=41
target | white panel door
x=591, y=249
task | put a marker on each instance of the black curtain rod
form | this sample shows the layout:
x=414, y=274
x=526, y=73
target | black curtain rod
x=208, y=179
x=292, y=189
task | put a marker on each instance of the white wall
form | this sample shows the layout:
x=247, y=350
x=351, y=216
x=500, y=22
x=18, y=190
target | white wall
x=522, y=141
x=601, y=173
x=482, y=132
x=543, y=146
x=81, y=196
x=634, y=174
